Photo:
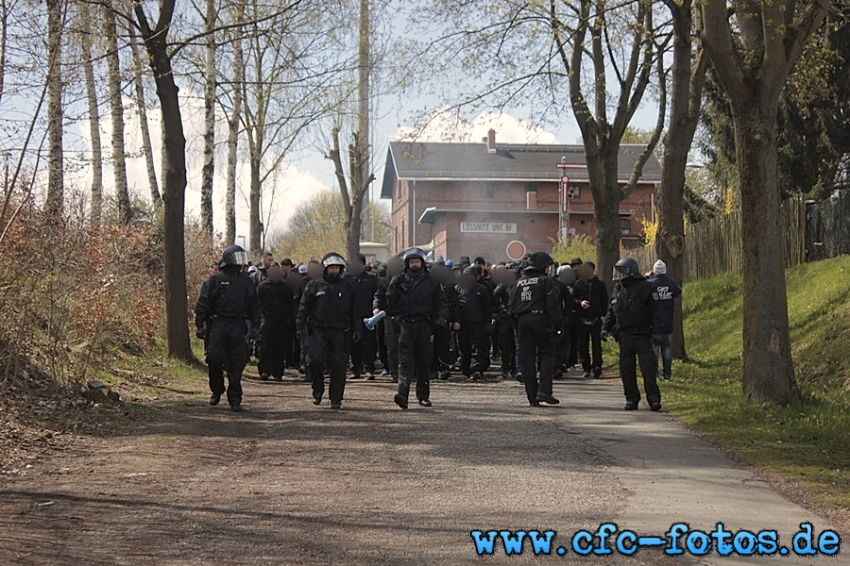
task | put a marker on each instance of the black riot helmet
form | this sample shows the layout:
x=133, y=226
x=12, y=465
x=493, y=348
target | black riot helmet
x=330, y=259
x=540, y=261
x=627, y=268
x=415, y=252
x=234, y=255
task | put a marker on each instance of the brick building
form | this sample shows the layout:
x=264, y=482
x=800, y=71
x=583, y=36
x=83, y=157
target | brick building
x=499, y=201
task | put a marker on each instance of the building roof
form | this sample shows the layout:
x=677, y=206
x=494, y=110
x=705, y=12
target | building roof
x=510, y=162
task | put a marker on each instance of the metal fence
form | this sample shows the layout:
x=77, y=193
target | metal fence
x=812, y=230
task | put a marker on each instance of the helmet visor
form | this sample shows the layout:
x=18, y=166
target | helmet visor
x=621, y=273
x=237, y=258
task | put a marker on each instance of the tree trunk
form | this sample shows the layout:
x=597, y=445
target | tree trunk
x=141, y=105
x=685, y=99
x=55, y=159
x=254, y=215
x=208, y=170
x=768, y=366
x=233, y=127
x=363, y=113
x=174, y=187
x=116, y=105
x=606, y=213
x=94, y=122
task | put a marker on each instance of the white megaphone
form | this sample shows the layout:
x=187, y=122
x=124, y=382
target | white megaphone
x=371, y=323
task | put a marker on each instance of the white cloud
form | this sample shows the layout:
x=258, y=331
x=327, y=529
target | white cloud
x=446, y=125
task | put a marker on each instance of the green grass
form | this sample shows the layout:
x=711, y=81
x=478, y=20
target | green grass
x=809, y=440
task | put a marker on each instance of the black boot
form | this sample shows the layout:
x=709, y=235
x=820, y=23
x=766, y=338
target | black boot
x=215, y=398
x=548, y=399
x=400, y=400
x=631, y=406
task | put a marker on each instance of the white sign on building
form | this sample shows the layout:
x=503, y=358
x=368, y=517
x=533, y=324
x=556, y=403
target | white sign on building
x=488, y=227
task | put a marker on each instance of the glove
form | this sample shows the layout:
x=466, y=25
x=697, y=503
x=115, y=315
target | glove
x=355, y=337
x=201, y=333
x=442, y=323
x=604, y=335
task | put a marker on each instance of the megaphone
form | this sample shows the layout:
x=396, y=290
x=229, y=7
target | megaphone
x=371, y=323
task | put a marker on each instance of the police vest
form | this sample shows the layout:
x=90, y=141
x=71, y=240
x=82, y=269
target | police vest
x=529, y=294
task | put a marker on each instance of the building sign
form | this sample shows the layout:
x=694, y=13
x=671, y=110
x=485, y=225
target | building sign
x=488, y=227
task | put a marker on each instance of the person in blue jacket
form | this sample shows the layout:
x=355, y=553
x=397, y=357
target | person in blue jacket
x=667, y=291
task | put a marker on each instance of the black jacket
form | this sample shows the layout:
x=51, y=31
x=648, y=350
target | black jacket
x=536, y=293
x=276, y=302
x=417, y=297
x=633, y=308
x=328, y=304
x=227, y=294
x=365, y=286
x=595, y=293
x=476, y=304
x=667, y=290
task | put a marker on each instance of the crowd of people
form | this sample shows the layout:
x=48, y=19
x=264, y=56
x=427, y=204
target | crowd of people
x=421, y=320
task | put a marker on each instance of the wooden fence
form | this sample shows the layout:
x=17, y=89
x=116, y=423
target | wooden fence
x=713, y=246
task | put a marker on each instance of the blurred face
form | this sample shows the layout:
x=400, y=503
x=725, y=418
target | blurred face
x=394, y=267
x=356, y=268
x=314, y=270
x=275, y=274
x=467, y=281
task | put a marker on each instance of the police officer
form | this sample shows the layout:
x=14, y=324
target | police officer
x=419, y=304
x=632, y=315
x=227, y=300
x=535, y=305
x=328, y=314
x=276, y=305
x=476, y=310
x=365, y=286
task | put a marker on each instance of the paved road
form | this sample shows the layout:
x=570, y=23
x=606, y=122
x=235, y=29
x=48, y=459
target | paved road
x=289, y=483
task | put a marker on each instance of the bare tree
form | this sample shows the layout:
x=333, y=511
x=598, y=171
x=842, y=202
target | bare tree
x=208, y=170
x=55, y=159
x=233, y=123
x=753, y=49
x=688, y=75
x=94, y=117
x=174, y=174
x=141, y=107
x=116, y=105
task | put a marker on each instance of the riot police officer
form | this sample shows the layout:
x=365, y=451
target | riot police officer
x=328, y=314
x=632, y=315
x=227, y=300
x=276, y=305
x=536, y=308
x=419, y=304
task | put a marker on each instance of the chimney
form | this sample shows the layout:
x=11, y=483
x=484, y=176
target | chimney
x=530, y=197
x=491, y=141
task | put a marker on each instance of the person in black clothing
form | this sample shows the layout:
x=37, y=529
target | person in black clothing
x=293, y=352
x=262, y=272
x=328, y=315
x=395, y=267
x=632, y=315
x=227, y=300
x=441, y=361
x=504, y=279
x=476, y=310
x=380, y=331
x=535, y=306
x=592, y=298
x=277, y=307
x=419, y=304
x=566, y=278
x=365, y=286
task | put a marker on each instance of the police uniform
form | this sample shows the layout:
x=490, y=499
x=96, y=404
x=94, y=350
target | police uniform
x=328, y=315
x=276, y=305
x=535, y=306
x=227, y=300
x=632, y=314
x=419, y=304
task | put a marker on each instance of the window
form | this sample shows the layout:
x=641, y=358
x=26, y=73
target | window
x=625, y=226
x=488, y=190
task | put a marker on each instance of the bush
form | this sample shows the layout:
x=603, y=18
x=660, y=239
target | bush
x=581, y=246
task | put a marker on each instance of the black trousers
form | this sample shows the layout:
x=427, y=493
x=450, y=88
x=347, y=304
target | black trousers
x=574, y=324
x=536, y=337
x=274, y=342
x=391, y=328
x=363, y=353
x=293, y=347
x=507, y=344
x=380, y=334
x=474, y=342
x=635, y=345
x=227, y=350
x=587, y=335
x=440, y=355
x=415, y=351
x=328, y=349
